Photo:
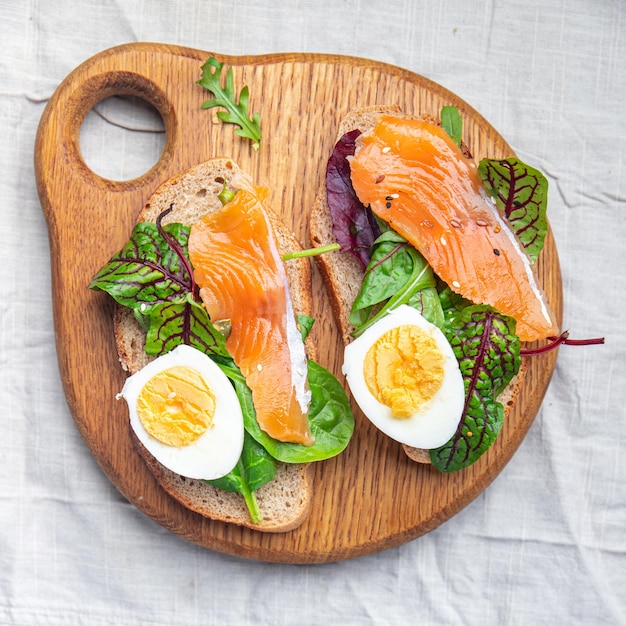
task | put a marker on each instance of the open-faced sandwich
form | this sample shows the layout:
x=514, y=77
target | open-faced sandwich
x=434, y=287
x=226, y=402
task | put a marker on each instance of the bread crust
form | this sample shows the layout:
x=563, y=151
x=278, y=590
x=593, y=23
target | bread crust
x=284, y=502
x=343, y=274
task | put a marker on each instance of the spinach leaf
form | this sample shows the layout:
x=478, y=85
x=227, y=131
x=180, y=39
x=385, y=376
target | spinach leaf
x=521, y=194
x=147, y=271
x=452, y=123
x=396, y=274
x=254, y=469
x=488, y=351
x=330, y=417
x=354, y=225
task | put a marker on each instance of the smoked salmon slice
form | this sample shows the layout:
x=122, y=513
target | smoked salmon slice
x=415, y=178
x=242, y=278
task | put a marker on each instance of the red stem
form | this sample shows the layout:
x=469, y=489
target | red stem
x=555, y=342
x=176, y=248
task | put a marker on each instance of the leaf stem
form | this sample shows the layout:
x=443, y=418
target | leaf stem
x=226, y=195
x=298, y=254
x=562, y=339
x=249, y=497
x=174, y=245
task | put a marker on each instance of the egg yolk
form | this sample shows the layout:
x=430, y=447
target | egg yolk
x=176, y=406
x=404, y=369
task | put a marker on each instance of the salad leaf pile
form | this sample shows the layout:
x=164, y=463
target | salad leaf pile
x=153, y=277
x=483, y=340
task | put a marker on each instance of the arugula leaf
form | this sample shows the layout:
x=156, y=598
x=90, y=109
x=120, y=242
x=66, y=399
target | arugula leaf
x=147, y=271
x=330, y=417
x=452, y=123
x=396, y=274
x=254, y=469
x=354, y=226
x=186, y=322
x=521, y=194
x=488, y=350
x=236, y=111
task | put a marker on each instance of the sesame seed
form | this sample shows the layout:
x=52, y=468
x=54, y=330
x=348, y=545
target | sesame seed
x=455, y=224
x=482, y=222
x=456, y=284
x=394, y=196
x=443, y=241
x=427, y=223
x=386, y=149
x=259, y=367
x=388, y=205
x=379, y=178
x=496, y=251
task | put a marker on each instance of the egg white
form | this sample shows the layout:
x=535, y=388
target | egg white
x=216, y=452
x=435, y=422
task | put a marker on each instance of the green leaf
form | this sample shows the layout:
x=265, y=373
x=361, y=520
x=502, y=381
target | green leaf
x=254, y=469
x=521, y=194
x=305, y=324
x=330, y=417
x=452, y=123
x=488, y=350
x=236, y=109
x=147, y=271
x=396, y=274
x=185, y=322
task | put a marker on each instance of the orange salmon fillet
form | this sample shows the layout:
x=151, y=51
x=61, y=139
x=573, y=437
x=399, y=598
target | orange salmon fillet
x=415, y=178
x=242, y=278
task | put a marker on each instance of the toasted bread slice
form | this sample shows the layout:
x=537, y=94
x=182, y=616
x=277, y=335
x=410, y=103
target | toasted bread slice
x=343, y=274
x=284, y=502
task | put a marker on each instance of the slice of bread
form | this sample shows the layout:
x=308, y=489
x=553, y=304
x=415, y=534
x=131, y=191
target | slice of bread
x=343, y=274
x=284, y=502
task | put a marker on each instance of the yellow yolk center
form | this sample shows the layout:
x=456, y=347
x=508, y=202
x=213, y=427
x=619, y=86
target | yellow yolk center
x=176, y=406
x=403, y=369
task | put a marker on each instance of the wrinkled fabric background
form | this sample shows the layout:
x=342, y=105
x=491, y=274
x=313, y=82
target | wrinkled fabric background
x=545, y=544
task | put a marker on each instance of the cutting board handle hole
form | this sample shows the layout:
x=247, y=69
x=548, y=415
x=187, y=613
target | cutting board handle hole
x=122, y=137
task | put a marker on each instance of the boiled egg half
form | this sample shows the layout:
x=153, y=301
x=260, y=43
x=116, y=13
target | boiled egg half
x=185, y=411
x=404, y=376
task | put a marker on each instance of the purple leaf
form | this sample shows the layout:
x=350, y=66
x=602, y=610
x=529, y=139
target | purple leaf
x=354, y=225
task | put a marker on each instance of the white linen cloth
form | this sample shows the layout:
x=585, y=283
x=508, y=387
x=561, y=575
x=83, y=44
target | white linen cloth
x=545, y=543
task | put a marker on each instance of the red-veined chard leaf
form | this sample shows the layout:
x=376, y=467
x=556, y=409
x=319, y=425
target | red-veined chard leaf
x=521, y=194
x=488, y=351
x=186, y=322
x=147, y=270
x=354, y=225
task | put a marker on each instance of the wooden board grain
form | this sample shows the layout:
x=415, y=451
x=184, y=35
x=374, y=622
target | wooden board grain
x=371, y=497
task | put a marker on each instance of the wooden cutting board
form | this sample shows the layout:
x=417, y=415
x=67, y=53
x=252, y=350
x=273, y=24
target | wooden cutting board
x=371, y=497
